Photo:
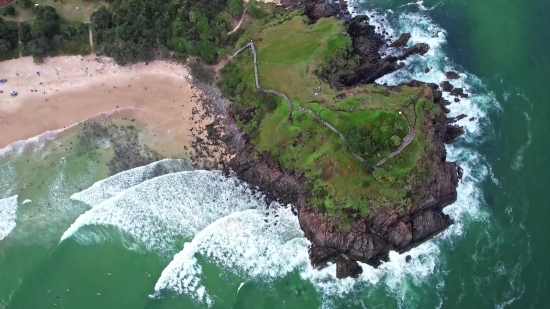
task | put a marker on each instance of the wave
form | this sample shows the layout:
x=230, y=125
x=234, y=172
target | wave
x=8, y=214
x=517, y=164
x=159, y=211
x=7, y=176
x=255, y=244
x=107, y=188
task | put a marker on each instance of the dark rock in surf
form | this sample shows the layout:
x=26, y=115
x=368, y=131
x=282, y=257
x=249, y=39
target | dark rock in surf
x=427, y=70
x=452, y=133
x=452, y=75
x=420, y=48
x=459, y=92
x=402, y=40
x=408, y=258
x=446, y=86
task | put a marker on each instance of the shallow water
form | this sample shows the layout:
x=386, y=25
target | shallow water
x=168, y=236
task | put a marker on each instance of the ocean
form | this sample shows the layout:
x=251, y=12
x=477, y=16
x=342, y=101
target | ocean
x=167, y=235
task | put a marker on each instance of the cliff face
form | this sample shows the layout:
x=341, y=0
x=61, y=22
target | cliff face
x=368, y=239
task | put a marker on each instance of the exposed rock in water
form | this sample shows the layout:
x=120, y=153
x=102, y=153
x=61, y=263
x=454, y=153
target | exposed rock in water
x=461, y=116
x=446, y=86
x=459, y=92
x=460, y=172
x=408, y=258
x=456, y=100
x=420, y=48
x=452, y=75
x=402, y=40
x=427, y=70
x=366, y=44
x=346, y=267
x=452, y=132
x=472, y=119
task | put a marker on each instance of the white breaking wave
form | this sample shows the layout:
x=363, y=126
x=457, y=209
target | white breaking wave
x=107, y=188
x=158, y=211
x=252, y=243
x=518, y=160
x=7, y=179
x=26, y=202
x=8, y=214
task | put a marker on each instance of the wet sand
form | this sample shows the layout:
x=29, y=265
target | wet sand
x=72, y=89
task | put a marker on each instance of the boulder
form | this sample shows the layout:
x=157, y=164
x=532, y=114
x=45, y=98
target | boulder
x=446, y=86
x=427, y=70
x=346, y=267
x=402, y=40
x=420, y=48
x=452, y=133
x=452, y=75
x=459, y=92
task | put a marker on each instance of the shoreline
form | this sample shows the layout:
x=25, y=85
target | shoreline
x=71, y=89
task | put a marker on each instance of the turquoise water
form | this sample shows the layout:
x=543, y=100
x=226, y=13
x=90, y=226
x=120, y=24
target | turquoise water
x=164, y=236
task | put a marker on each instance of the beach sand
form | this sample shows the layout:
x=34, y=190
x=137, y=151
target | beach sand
x=72, y=89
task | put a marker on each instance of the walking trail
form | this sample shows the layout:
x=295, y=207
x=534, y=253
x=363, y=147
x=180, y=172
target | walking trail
x=91, y=38
x=406, y=141
x=239, y=24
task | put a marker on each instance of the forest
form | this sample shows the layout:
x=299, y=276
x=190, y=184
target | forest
x=127, y=30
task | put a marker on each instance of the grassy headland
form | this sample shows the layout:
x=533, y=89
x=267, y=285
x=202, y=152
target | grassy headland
x=374, y=119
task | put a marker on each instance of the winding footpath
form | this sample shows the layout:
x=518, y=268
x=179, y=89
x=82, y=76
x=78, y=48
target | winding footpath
x=406, y=140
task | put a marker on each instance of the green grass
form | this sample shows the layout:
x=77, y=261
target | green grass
x=288, y=53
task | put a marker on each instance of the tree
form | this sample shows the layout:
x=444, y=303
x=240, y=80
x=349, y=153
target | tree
x=26, y=4
x=9, y=10
x=235, y=7
x=4, y=46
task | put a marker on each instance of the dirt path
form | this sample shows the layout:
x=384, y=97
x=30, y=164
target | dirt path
x=406, y=141
x=239, y=24
x=19, y=38
x=91, y=38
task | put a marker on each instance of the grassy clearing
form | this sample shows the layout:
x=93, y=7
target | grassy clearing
x=289, y=53
x=66, y=9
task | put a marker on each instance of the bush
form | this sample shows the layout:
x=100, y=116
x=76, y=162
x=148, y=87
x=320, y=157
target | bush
x=395, y=142
x=9, y=10
x=26, y=4
x=235, y=7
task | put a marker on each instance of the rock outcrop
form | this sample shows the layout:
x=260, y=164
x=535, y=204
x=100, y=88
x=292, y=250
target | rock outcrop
x=366, y=44
x=402, y=40
x=452, y=75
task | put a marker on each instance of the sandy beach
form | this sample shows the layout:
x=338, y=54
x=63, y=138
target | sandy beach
x=65, y=90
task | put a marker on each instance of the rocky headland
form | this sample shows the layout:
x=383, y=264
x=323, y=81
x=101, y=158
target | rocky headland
x=367, y=239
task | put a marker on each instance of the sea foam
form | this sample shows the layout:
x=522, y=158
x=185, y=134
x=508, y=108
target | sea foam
x=254, y=244
x=8, y=214
x=160, y=210
x=107, y=188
